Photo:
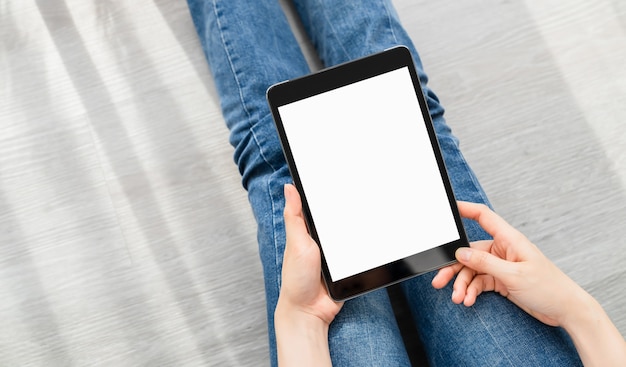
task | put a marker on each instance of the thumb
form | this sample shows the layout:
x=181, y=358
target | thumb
x=293, y=205
x=295, y=227
x=483, y=262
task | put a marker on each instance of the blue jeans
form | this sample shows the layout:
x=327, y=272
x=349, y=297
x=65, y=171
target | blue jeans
x=249, y=46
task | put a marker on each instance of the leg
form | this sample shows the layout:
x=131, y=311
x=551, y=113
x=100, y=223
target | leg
x=494, y=331
x=346, y=30
x=249, y=46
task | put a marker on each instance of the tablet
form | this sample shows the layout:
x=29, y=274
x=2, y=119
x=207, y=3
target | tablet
x=363, y=154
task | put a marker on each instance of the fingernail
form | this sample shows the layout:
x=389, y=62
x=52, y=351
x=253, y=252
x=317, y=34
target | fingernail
x=286, y=192
x=464, y=254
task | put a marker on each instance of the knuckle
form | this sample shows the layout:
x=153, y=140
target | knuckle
x=481, y=259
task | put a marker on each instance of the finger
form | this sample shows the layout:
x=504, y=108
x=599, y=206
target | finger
x=466, y=274
x=445, y=275
x=480, y=284
x=486, y=218
x=484, y=262
x=462, y=281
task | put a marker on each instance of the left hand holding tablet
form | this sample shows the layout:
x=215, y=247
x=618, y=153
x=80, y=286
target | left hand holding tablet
x=302, y=286
x=304, y=310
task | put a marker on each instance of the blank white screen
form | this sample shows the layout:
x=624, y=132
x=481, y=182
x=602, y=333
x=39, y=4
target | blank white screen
x=369, y=173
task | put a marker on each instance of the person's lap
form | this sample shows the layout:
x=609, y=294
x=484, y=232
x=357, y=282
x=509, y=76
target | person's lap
x=249, y=46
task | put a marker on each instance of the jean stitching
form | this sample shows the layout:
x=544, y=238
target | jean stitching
x=471, y=174
x=334, y=32
x=370, y=341
x=483, y=196
x=275, y=237
x=231, y=56
x=230, y=59
x=495, y=341
x=393, y=34
x=475, y=182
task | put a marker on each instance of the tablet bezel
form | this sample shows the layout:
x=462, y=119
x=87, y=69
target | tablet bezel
x=336, y=77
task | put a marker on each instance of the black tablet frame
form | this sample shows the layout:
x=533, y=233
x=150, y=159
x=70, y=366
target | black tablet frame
x=335, y=77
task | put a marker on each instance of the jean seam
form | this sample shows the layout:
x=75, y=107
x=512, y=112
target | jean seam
x=370, y=341
x=393, y=34
x=274, y=239
x=334, y=32
x=230, y=56
x=495, y=341
x=477, y=187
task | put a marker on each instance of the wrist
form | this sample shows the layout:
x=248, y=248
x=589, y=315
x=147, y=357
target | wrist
x=582, y=310
x=596, y=338
x=289, y=317
x=301, y=338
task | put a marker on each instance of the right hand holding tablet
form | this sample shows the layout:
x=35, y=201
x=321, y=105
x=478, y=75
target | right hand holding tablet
x=512, y=266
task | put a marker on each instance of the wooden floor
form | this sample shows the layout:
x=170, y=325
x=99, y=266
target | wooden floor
x=126, y=238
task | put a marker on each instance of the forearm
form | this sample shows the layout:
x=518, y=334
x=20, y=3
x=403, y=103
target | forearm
x=597, y=340
x=302, y=340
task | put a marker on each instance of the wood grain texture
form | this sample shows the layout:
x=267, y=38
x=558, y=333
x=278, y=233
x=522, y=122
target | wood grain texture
x=126, y=238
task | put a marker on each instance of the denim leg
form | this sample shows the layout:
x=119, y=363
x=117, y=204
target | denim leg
x=346, y=30
x=494, y=331
x=249, y=46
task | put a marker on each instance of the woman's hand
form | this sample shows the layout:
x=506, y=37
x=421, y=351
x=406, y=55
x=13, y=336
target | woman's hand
x=302, y=287
x=512, y=266
x=304, y=310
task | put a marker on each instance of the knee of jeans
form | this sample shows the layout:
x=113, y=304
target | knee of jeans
x=258, y=151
